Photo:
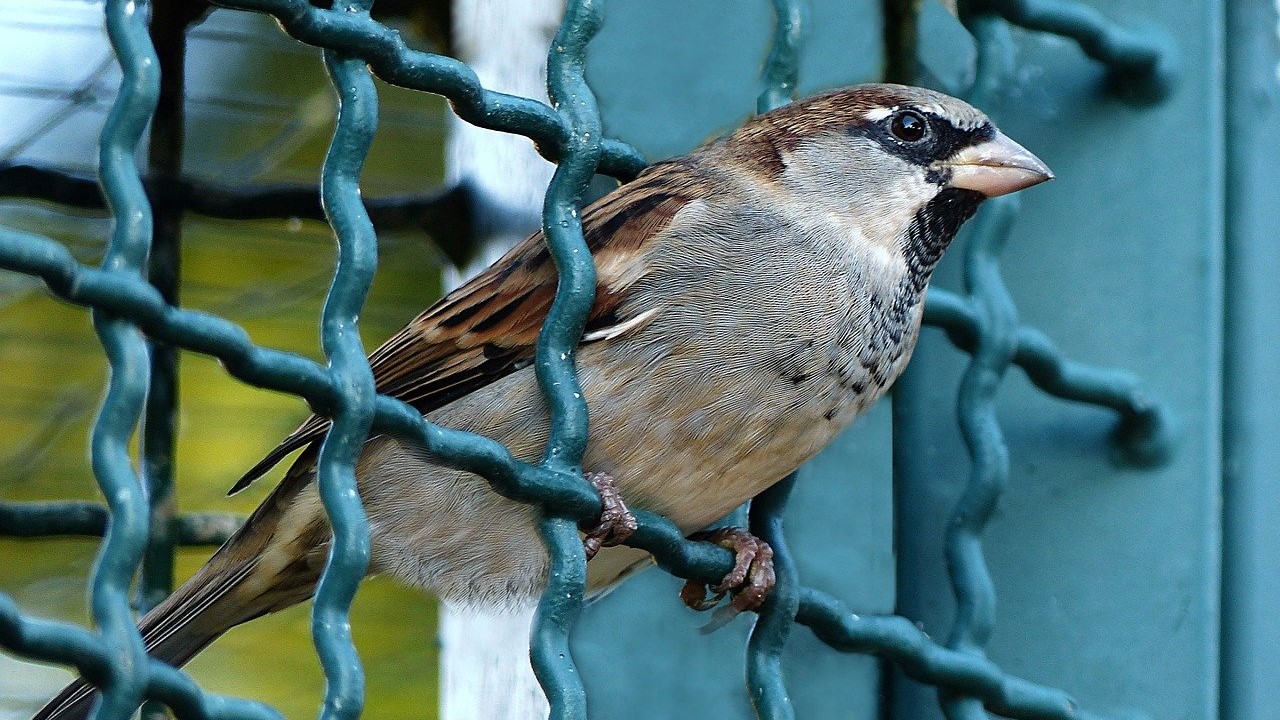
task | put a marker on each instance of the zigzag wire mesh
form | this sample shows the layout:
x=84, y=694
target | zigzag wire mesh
x=127, y=310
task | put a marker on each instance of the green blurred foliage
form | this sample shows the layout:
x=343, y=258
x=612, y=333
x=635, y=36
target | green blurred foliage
x=259, y=110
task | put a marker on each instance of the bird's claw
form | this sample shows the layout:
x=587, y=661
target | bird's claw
x=616, y=523
x=750, y=580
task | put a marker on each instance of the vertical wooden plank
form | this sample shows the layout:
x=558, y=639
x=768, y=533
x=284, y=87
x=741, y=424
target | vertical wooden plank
x=484, y=658
x=1251, y=425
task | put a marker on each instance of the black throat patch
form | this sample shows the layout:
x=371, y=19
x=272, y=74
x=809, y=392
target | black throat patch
x=932, y=230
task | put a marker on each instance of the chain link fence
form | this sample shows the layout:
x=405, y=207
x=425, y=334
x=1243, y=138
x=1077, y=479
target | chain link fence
x=131, y=297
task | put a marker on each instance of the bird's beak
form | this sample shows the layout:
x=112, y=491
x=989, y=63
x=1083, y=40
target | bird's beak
x=996, y=167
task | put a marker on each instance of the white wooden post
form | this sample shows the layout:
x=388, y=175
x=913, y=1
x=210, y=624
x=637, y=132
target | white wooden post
x=506, y=43
x=484, y=659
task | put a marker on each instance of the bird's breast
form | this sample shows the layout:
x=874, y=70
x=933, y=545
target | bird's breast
x=703, y=410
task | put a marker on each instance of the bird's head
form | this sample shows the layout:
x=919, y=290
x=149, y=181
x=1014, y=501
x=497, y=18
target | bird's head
x=902, y=166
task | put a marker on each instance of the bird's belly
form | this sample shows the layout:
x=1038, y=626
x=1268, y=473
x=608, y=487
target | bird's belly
x=695, y=451
x=446, y=531
x=690, y=454
x=696, y=476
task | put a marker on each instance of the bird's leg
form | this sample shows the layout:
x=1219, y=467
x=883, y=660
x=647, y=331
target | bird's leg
x=616, y=522
x=750, y=580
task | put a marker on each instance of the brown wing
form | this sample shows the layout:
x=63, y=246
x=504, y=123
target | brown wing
x=487, y=328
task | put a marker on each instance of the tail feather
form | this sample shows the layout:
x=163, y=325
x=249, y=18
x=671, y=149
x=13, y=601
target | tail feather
x=272, y=563
x=173, y=632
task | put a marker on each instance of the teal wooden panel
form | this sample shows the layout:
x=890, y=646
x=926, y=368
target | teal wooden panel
x=1107, y=576
x=1251, y=491
x=670, y=74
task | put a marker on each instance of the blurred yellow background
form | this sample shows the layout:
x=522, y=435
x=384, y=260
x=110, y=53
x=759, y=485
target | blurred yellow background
x=259, y=109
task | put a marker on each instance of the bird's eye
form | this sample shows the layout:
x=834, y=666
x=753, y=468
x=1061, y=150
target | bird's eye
x=908, y=126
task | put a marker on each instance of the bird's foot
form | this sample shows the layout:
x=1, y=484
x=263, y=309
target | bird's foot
x=616, y=522
x=750, y=580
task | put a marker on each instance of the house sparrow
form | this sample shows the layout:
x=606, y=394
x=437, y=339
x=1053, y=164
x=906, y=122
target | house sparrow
x=753, y=298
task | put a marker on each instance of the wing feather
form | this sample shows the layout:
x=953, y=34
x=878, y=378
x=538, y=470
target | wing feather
x=487, y=328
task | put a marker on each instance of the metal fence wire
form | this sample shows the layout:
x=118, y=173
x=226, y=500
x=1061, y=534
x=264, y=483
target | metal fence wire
x=129, y=313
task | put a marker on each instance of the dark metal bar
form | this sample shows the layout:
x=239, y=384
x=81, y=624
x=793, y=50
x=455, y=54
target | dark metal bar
x=901, y=36
x=447, y=215
x=89, y=519
x=169, y=21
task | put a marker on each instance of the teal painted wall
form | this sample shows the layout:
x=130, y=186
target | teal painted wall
x=1108, y=576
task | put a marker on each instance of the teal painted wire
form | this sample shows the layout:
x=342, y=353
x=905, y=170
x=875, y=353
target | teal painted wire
x=994, y=350
x=554, y=359
x=126, y=537
x=558, y=611
x=782, y=67
x=348, y=559
x=976, y=412
x=576, y=290
x=993, y=60
x=1142, y=63
x=898, y=639
x=970, y=578
x=388, y=56
x=777, y=616
x=993, y=353
x=74, y=646
x=1147, y=431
